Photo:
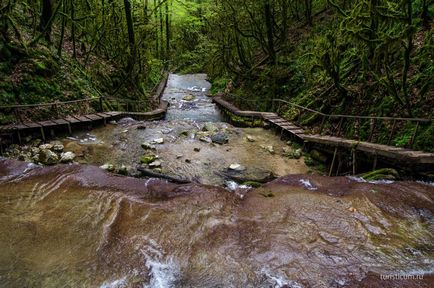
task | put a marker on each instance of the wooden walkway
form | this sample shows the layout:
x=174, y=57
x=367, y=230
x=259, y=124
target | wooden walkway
x=396, y=154
x=14, y=132
x=70, y=122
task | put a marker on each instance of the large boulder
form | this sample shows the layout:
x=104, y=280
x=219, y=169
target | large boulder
x=48, y=157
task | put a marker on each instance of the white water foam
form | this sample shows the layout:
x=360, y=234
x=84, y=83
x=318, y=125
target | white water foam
x=164, y=271
x=232, y=186
x=118, y=283
x=361, y=180
x=306, y=183
x=280, y=281
x=426, y=183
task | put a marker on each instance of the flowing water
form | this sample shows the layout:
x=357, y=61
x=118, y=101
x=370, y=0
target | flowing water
x=183, y=154
x=79, y=226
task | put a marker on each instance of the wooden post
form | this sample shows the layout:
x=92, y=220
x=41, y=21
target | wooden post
x=374, y=166
x=101, y=106
x=354, y=162
x=324, y=117
x=17, y=115
x=19, y=137
x=371, y=134
x=413, y=138
x=69, y=128
x=42, y=134
x=392, y=132
x=333, y=161
x=340, y=127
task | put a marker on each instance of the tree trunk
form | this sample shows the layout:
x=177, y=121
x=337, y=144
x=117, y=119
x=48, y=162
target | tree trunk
x=167, y=31
x=74, y=49
x=270, y=33
x=131, y=38
x=45, y=23
x=62, y=32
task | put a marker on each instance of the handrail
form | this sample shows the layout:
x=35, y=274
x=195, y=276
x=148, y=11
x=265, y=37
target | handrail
x=354, y=116
x=47, y=104
x=70, y=102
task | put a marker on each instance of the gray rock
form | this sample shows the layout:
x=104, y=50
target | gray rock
x=158, y=141
x=108, y=167
x=210, y=127
x=268, y=148
x=148, y=146
x=250, y=138
x=206, y=139
x=236, y=167
x=188, y=98
x=46, y=146
x=219, y=138
x=67, y=157
x=155, y=164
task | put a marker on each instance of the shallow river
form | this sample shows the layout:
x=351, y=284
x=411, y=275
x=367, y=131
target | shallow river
x=79, y=226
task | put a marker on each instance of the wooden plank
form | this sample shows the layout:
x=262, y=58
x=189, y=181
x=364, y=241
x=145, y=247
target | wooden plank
x=47, y=123
x=299, y=131
x=33, y=124
x=82, y=119
x=72, y=120
x=103, y=115
x=60, y=122
x=94, y=117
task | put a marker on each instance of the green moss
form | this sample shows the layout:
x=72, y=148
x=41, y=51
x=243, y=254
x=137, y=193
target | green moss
x=147, y=159
x=252, y=184
x=425, y=139
x=381, y=174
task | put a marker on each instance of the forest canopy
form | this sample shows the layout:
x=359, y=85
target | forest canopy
x=364, y=57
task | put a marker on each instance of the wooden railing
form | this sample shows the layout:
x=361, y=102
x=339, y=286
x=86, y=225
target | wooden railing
x=14, y=114
x=56, y=110
x=334, y=124
x=373, y=129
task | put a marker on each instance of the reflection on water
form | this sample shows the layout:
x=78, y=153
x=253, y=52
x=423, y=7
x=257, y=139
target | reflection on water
x=77, y=226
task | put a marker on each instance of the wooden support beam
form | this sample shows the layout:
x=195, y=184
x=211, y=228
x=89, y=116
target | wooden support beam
x=354, y=161
x=333, y=161
x=42, y=134
x=392, y=131
x=413, y=137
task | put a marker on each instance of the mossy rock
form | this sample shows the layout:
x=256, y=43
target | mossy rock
x=381, y=174
x=147, y=159
x=318, y=156
x=252, y=184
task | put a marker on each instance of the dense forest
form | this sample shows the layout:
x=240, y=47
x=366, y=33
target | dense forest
x=363, y=57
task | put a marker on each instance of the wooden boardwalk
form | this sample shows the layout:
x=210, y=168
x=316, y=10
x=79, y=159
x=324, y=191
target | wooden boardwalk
x=395, y=154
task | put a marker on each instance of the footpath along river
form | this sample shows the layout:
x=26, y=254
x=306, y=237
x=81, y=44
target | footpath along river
x=80, y=226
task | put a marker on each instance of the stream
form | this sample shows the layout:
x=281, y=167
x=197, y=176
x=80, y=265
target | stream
x=76, y=225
